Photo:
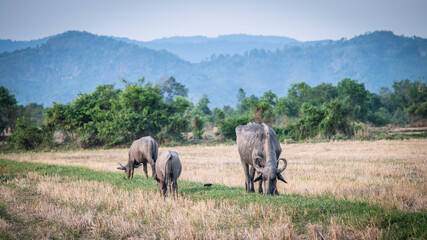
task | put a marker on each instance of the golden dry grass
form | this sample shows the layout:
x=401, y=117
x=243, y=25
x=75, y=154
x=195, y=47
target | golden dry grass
x=63, y=207
x=391, y=173
x=92, y=209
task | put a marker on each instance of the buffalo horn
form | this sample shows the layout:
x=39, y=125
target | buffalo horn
x=257, y=166
x=280, y=177
x=121, y=167
x=285, y=162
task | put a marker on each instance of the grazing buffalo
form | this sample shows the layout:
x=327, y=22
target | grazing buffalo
x=259, y=149
x=141, y=151
x=168, y=169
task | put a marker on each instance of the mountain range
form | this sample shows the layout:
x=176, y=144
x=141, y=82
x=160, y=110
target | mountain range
x=57, y=68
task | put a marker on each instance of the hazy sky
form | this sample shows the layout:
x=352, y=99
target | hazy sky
x=147, y=20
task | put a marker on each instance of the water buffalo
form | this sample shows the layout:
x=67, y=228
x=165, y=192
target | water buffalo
x=141, y=151
x=168, y=169
x=259, y=149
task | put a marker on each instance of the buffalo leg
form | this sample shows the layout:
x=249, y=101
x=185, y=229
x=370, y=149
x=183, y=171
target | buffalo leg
x=248, y=184
x=260, y=185
x=175, y=189
x=131, y=171
x=252, y=176
x=160, y=185
x=144, y=164
x=153, y=166
x=164, y=189
x=169, y=185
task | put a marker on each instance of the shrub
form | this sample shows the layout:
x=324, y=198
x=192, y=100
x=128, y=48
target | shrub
x=228, y=126
x=281, y=133
x=335, y=118
x=308, y=125
x=380, y=118
x=27, y=137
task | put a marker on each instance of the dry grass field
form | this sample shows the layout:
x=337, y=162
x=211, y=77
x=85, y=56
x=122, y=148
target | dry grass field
x=388, y=174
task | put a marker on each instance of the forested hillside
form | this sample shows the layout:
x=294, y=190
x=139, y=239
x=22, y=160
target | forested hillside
x=199, y=48
x=75, y=62
x=10, y=46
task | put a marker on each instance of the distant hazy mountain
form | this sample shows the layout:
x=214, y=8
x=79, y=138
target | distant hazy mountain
x=10, y=46
x=74, y=62
x=199, y=48
x=376, y=59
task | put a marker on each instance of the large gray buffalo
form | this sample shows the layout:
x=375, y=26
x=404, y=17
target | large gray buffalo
x=259, y=150
x=141, y=151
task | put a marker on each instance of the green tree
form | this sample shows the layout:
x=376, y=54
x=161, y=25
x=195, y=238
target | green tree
x=308, y=125
x=335, y=118
x=170, y=89
x=263, y=108
x=93, y=117
x=323, y=93
x=198, y=124
x=228, y=111
x=202, y=106
x=228, y=126
x=59, y=117
x=380, y=117
x=27, y=137
x=286, y=106
x=240, y=95
x=178, y=120
x=218, y=115
x=418, y=111
x=34, y=113
x=140, y=111
x=300, y=93
x=8, y=109
x=386, y=99
x=242, y=102
x=406, y=102
x=412, y=97
x=357, y=97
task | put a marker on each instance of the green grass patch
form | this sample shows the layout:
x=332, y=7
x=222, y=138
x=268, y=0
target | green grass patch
x=4, y=214
x=317, y=209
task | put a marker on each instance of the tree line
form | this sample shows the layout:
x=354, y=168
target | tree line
x=110, y=116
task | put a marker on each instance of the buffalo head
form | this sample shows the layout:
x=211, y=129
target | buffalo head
x=127, y=169
x=269, y=174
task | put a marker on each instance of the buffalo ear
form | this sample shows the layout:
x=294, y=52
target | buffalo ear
x=258, y=178
x=137, y=166
x=280, y=177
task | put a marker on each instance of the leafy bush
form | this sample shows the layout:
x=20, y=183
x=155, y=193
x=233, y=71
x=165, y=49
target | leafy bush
x=27, y=137
x=228, y=126
x=335, y=118
x=108, y=116
x=379, y=118
x=329, y=119
x=8, y=109
x=281, y=133
x=308, y=125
